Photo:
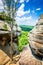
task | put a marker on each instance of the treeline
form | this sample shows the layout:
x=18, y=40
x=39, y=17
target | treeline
x=26, y=28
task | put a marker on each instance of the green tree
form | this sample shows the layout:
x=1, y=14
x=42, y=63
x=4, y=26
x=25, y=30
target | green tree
x=10, y=7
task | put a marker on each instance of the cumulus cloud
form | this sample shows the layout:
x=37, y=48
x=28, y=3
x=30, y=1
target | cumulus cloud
x=23, y=20
x=21, y=11
x=21, y=17
x=38, y=9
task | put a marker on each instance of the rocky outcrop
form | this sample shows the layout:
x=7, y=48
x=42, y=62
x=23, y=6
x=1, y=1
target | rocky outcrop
x=6, y=60
x=5, y=43
x=27, y=58
x=36, y=38
x=33, y=53
x=3, y=58
x=5, y=33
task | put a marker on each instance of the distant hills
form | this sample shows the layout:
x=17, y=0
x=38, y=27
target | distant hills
x=26, y=27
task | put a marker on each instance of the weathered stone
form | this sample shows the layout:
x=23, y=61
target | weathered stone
x=3, y=58
x=4, y=26
x=5, y=45
x=36, y=37
x=27, y=57
x=6, y=60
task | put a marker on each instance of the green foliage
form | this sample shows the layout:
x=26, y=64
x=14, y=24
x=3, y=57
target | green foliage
x=5, y=27
x=23, y=40
x=26, y=28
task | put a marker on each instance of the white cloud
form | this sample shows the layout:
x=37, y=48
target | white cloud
x=21, y=7
x=33, y=11
x=21, y=19
x=27, y=0
x=21, y=11
x=21, y=1
x=1, y=2
x=1, y=6
x=25, y=20
x=38, y=9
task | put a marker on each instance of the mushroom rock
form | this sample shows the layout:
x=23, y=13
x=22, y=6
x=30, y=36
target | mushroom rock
x=33, y=53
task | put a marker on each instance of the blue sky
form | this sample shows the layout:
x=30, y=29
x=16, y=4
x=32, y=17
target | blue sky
x=28, y=12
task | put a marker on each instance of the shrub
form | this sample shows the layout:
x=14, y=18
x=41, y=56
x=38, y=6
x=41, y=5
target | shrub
x=23, y=40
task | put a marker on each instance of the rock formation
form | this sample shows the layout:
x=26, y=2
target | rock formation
x=33, y=53
x=5, y=38
x=5, y=32
x=27, y=58
x=36, y=38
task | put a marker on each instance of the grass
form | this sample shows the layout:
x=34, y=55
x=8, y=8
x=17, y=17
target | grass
x=23, y=40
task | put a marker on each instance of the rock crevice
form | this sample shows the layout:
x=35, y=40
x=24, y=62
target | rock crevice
x=33, y=53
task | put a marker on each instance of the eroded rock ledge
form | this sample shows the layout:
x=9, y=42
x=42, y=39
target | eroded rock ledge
x=27, y=58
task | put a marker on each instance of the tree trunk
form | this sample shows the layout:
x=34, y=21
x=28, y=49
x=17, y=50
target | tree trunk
x=11, y=43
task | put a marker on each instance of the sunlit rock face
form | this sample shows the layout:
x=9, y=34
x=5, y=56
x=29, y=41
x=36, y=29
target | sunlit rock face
x=27, y=58
x=36, y=37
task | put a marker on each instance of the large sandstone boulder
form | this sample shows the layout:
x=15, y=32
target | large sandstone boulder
x=5, y=32
x=5, y=38
x=27, y=58
x=6, y=60
x=36, y=38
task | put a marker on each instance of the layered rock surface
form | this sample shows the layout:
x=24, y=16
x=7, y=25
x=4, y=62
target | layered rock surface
x=6, y=60
x=33, y=53
x=27, y=58
x=36, y=37
x=5, y=33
